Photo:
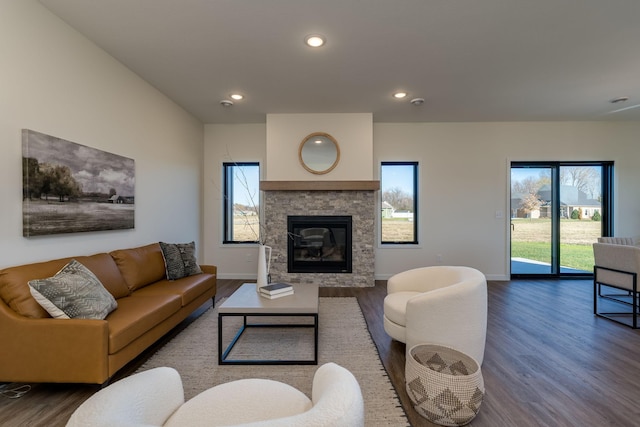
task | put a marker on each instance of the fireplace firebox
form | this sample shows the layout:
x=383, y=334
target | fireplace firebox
x=319, y=244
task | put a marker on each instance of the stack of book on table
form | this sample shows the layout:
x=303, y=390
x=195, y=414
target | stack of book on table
x=276, y=290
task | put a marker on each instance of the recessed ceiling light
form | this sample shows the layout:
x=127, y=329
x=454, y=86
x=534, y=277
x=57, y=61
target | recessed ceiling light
x=236, y=96
x=400, y=95
x=314, y=40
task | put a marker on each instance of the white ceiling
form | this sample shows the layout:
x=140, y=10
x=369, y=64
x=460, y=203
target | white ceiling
x=471, y=60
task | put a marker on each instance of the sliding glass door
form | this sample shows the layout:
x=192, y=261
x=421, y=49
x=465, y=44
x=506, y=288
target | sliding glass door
x=531, y=222
x=558, y=210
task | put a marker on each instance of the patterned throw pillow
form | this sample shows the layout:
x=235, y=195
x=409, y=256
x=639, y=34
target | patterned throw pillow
x=73, y=292
x=180, y=259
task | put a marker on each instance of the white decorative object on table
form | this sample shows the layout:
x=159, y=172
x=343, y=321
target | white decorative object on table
x=264, y=265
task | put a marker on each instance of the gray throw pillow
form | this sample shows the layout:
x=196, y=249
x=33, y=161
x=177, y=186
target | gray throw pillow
x=73, y=293
x=180, y=259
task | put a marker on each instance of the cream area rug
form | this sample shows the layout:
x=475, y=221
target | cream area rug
x=343, y=339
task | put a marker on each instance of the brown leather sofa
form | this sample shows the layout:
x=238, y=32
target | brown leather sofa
x=34, y=347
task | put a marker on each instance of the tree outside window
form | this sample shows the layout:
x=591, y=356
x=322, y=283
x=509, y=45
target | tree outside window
x=241, y=200
x=399, y=204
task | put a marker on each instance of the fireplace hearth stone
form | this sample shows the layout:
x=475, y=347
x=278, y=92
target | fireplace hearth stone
x=359, y=204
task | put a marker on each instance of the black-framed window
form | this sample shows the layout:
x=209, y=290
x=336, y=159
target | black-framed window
x=558, y=210
x=241, y=202
x=399, y=203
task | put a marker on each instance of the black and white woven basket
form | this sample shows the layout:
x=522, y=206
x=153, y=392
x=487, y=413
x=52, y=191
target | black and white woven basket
x=445, y=385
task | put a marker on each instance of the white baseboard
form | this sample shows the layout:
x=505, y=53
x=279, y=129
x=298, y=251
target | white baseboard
x=238, y=276
x=252, y=278
x=498, y=277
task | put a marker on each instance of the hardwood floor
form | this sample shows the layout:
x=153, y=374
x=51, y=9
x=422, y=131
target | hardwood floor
x=548, y=361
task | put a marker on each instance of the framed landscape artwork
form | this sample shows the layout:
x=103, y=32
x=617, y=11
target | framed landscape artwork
x=71, y=188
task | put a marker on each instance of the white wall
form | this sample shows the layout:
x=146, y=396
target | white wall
x=353, y=132
x=463, y=182
x=228, y=143
x=54, y=81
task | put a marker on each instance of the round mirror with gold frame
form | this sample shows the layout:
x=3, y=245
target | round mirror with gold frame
x=319, y=153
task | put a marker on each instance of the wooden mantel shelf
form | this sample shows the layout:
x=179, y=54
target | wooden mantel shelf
x=319, y=185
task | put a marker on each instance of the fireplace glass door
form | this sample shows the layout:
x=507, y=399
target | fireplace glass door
x=319, y=244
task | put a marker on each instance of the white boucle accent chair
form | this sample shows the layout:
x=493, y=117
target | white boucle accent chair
x=444, y=305
x=156, y=398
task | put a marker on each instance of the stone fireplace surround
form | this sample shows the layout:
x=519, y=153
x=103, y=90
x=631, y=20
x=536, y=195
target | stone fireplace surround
x=352, y=198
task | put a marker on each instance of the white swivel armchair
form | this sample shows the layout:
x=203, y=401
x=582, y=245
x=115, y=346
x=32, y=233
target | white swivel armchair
x=156, y=398
x=444, y=305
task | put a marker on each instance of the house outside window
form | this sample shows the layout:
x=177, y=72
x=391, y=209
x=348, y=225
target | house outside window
x=399, y=202
x=241, y=202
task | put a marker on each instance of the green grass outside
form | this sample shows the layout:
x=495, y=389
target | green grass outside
x=573, y=256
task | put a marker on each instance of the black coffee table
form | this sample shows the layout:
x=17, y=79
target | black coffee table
x=245, y=302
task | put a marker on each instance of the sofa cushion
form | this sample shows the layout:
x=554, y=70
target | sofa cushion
x=180, y=259
x=137, y=315
x=188, y=288
x=140, y=266
x=106, y=270
x=14, y=288
x=73, y=292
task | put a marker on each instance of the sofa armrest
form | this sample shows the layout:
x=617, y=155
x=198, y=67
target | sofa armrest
x=52, y=350
x=209, y=269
